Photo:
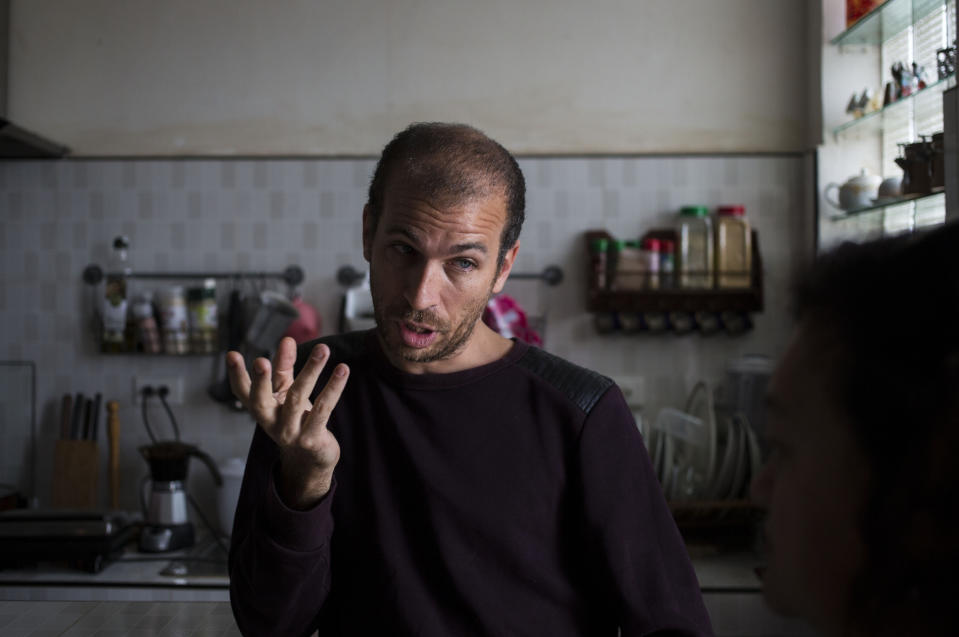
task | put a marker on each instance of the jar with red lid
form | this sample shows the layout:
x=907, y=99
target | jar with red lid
x=733, y=248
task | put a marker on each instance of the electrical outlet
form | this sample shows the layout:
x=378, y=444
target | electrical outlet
x=173, y=383
x=633, y=388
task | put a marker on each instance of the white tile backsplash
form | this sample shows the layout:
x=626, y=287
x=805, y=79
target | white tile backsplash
x=58, y=216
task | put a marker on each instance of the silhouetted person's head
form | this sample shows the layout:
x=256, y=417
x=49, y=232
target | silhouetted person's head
x=862, y=485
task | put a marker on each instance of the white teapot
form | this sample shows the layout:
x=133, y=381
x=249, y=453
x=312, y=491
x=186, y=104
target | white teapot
x=857, y=192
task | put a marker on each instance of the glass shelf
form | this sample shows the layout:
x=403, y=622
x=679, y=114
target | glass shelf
x=873, y=120
x=885, y=204
x=886, y=20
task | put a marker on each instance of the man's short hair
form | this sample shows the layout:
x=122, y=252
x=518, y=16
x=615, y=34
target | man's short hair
x=451, y=164
x=894, y=304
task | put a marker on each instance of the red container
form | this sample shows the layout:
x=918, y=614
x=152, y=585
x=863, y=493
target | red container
x=856, y=9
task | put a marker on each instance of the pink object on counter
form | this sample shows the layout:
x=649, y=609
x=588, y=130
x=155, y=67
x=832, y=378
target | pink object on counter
x=504, y=315
x=308, y=325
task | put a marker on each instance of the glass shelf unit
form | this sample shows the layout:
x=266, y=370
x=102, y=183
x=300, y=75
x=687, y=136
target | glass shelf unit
x=891, y=17
x=897, y=201
x=872, y=121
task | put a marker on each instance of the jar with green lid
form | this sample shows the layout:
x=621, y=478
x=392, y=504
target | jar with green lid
x=631, y=267
x=695, y=250
x=597, y=261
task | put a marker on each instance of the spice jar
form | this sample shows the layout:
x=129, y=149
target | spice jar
x=695, y=250
x=597, y=258
x=201, y=303
x=173, y=320
x=148, y=334
x=733, y=248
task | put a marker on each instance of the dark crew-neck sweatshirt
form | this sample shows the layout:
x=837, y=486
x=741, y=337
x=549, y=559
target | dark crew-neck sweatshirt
x=515, y=498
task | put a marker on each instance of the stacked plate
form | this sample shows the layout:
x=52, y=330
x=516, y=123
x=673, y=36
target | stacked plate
x=700, y=453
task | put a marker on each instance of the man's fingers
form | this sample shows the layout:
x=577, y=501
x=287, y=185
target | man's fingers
x=326, y=401
x=239, y=378
x=298, y=396
x=262, y=402
x=283, y=363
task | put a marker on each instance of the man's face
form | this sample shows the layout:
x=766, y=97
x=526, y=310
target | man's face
x=812, y=485
x=433, y=268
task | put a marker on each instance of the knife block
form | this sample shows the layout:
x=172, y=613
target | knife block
x=75, y=468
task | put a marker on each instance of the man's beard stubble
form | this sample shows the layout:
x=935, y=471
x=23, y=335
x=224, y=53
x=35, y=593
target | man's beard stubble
x=455, y=337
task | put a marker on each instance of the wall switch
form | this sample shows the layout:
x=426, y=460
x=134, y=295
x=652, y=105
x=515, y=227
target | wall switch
x=173, y=383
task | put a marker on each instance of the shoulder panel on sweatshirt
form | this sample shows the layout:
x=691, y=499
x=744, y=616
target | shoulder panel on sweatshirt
x=583, y=387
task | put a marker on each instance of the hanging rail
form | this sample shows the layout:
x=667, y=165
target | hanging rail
x=348, y=276
x=293, y=275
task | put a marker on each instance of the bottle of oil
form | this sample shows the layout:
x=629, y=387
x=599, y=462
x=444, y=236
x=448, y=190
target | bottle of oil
x=116, y=335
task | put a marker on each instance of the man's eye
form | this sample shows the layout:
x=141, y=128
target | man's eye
x=464, y=264
x=402, y=248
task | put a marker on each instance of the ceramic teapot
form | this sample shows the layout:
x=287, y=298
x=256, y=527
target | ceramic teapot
x=857, y=192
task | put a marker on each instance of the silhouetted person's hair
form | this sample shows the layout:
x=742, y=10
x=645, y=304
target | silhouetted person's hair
x=894, y=304
x=451, y=164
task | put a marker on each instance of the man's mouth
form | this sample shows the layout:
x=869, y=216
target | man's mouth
x=415, y=335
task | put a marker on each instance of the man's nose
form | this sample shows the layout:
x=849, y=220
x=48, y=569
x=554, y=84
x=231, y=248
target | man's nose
x=422, y=285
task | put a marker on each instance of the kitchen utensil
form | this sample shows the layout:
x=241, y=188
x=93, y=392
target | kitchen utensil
x=889, y=190
x=916, y=163
x=856, y=192
x=66, y=414
x=938, y=161
x=113, y=433
x=96, y=415
x=165, y=509
x=77, y=420
x=271, y=318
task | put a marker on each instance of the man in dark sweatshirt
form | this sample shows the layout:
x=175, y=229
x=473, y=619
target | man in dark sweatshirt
x=430, y=477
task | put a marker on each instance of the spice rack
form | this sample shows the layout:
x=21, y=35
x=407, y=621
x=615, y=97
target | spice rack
x=93, y=275
x=676, y=299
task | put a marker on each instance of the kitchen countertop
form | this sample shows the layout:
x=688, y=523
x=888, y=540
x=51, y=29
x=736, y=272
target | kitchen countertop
x=137, y=576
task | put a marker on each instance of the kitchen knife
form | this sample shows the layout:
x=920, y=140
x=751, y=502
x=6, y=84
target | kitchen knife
x=77, y=415
x=96, y=416
x=113, y=432
x=87, y=409
x=66, y=413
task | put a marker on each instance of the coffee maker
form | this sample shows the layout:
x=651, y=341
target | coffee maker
x=165, y=508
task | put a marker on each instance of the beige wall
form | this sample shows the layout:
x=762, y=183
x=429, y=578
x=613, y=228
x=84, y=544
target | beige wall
x=251, y=77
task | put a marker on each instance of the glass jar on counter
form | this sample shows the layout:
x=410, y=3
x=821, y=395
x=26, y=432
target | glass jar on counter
x=201, y=303
x=695, y=250
x=733, y=248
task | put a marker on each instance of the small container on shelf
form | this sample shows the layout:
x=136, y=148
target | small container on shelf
x=667, y=264
x=201, y=302
x=173, y=320
x=148, y=335
x=695, y=249
x=650, y=248
x=733, y=248
x=631, y=267
x=598, y=251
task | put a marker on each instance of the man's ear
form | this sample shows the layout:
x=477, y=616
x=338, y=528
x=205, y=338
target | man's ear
x=367, y=233
x=508, y=259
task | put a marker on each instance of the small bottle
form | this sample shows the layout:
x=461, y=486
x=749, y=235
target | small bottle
x=695, y=250
x=115, y=333
x=667, y=264
x=598, y=249
x=651, y=247
x=733, y=248
x=201, y=305
x=148, y=333
x=631, y=266
x=173, y=320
